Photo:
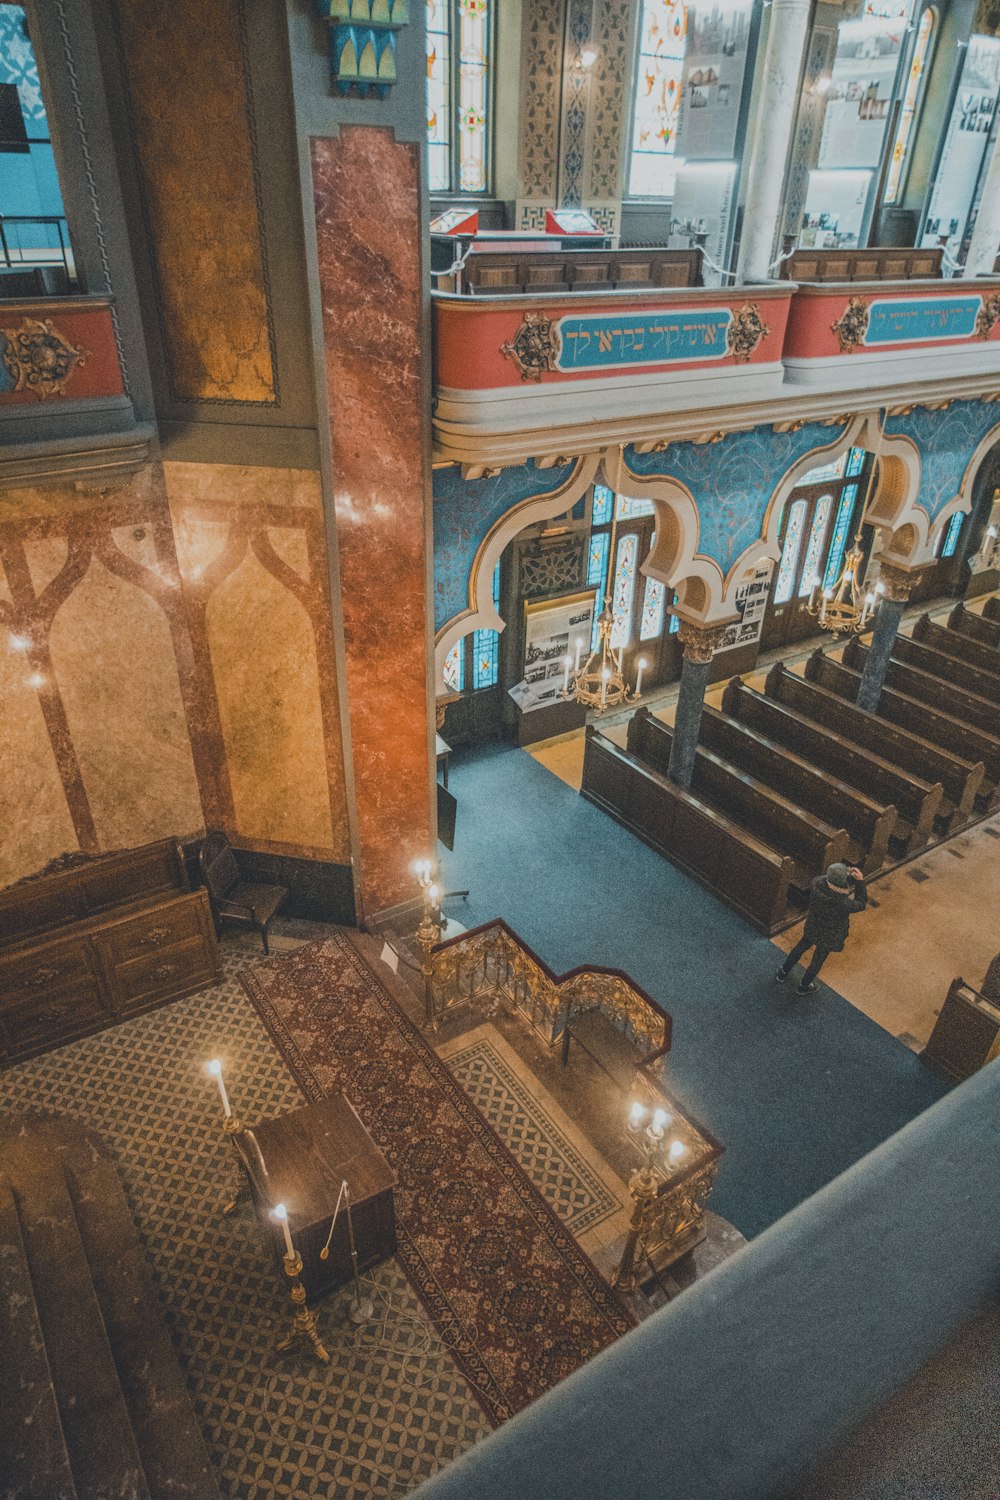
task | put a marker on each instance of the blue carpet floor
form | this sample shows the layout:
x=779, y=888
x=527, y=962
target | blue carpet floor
x=796, y=1089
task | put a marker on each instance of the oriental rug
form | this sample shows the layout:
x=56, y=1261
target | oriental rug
x=501, y=1276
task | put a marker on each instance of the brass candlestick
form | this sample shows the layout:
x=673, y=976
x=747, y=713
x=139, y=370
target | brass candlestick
x=233, y=1127
x=427, y=935
x=642, y=1189
x=303, y=1328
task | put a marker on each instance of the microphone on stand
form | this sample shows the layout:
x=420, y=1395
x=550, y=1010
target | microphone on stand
x=362, y=1308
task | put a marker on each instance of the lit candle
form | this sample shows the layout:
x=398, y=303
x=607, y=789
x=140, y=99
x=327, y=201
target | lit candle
x=822, y=611
x=636, y=1115
x=605, y=679
x=567, y=663
x=215, y=1068
x=280, y=1212
x=660, y=1121
x=677, y=1150
x=579, y=653
x=422, y=870
x=641, y=666
x=434, y=894
x=812, y=598
x=869, y=606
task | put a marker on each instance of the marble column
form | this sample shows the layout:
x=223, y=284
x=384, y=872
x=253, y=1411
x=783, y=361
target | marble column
x=985, y=241
x=787, y=37
x=897, y=583
x=699, y=643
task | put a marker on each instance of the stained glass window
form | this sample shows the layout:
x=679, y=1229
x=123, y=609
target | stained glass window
x=814, y=551
x=598, y=607
x=438, y=96
x=790, y=552
x=459, y=65
x=951, y=534
x=675, y=625
x=662, y=44
x=624, y=589
x=485, y=658
x=826, y=471
x=454, y=667
x=908, y=111
x=653, y=604
x=597, y=564
x=601, y=512
x=838, y=542
x=855, y=462
x=631, y=510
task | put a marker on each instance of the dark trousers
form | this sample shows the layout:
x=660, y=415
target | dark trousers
x=817, y=961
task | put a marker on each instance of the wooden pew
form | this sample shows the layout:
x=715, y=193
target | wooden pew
x=929, y=723
x=991, y=609
x=960, y=778
x=977, y=627
x=869, y=823
x=916, y=801
x=949, y=669
x=930, y=689
x=956, y=643
x=765, y=813
x=709, y=846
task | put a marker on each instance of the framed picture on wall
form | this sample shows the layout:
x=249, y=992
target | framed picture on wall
x=554, y=629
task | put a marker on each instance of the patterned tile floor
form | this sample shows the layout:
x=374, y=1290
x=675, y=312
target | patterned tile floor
x=392, y=1407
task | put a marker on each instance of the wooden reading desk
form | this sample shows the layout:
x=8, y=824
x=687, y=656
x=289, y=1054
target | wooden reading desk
x=307, y=1155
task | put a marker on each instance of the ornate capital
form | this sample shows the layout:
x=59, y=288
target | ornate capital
x=897, y=583
x=700, y=642
x=534, y=347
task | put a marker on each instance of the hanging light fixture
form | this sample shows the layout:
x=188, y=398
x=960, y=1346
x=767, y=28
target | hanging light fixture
x=847, y=608
x=600, y=684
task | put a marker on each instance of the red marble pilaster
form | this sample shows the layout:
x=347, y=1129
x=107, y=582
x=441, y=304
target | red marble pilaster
x=367, y=204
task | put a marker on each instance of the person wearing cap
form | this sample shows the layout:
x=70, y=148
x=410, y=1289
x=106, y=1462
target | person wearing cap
x=832, y=899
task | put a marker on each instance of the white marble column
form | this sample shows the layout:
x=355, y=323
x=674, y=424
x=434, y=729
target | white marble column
x=986, y=235
x=775, y=106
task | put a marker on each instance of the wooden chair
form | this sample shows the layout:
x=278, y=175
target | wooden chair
x=233, y=898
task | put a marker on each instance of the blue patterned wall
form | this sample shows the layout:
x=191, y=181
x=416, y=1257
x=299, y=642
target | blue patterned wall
x=465, y=510
x=732, y=481
x=946, y=440
x=17, y=65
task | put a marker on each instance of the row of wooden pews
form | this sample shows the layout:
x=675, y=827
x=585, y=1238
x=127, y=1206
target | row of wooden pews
x=789, y=780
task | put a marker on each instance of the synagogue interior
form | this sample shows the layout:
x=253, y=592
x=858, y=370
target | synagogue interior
x=499, y=749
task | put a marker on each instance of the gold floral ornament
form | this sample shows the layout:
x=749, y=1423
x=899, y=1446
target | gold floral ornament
x=535, y=346
x=852, y=325
x=39, y=358
x=987, y=315
x=745, y=332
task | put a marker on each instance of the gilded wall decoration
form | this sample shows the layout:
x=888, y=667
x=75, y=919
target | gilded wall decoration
x=745, y=332
x=363, y=42
x=39, y=358
x=852, y=325
x=194, y=131
x=541, y=79
x=987, y=316
x=534, y=347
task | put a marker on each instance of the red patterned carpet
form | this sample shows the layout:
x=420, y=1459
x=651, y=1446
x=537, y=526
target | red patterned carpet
x=519, y=1303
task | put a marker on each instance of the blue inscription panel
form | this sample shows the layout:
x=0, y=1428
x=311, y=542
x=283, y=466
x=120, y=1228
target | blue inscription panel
x=911, y=320
x=607, y=342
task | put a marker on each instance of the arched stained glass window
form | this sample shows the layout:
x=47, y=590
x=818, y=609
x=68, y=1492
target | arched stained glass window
x=623, y=590
x=908, y=112
x=601, y=512
x=814, y=551
x=855, y=462
x=790, y=553
x=459, y=95
x=653, y=604
x=951, y=534
x=454, y=667
x=838, y=542
x=662, y=45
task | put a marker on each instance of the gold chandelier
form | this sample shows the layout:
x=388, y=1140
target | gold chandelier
x=845, y=609
x=600, y=683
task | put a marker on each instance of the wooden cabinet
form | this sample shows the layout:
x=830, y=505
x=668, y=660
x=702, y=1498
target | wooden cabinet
x=95, y=944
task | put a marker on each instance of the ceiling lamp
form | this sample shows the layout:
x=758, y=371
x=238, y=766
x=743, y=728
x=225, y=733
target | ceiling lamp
x=600, y=684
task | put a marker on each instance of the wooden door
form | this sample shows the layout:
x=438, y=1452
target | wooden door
x=817, y=530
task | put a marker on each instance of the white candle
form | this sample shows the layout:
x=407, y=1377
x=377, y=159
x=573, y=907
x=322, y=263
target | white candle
x=567, y=663
x=822, y=612
x=605, y=679
x=636, y=1115
x=579, y=653
x=281, y=1214
x=660, y=1121
x=215, y=1068
x=812, y=597
x=677, y=1150
x=641, y=665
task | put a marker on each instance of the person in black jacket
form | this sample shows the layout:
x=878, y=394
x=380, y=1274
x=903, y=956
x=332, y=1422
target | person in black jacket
x=832, y=899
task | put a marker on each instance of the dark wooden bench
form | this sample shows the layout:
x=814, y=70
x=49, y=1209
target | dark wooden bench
x=879, y=263
x=778, y=822
x=710, y=847
x=933, y=690
x=869, y=823
x=949, y=668
x=921, y=719
x=960, y=778
x=916, y=801
x=991, y=609
x=955, y=643
x=500, y=273
x=975, y=627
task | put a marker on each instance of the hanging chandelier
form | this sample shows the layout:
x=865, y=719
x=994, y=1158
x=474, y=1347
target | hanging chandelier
x=600, y=683
x=845, y=609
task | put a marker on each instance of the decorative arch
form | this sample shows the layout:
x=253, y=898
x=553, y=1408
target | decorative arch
x=481, y=613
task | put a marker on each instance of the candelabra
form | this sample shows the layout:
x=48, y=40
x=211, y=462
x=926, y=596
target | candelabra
x=661, y=1156
x=303, y=1328
x=232, y=1127
x=428, y=934
x=845, y=609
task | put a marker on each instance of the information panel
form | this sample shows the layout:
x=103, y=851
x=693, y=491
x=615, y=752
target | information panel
x=718, y=38
x=859, y=102
x=964, y=145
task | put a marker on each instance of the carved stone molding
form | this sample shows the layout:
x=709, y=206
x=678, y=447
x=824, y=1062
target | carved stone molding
x=700, y=642
x=745, y=332
x=897, y=583
x=852, y=325
x=534, y=347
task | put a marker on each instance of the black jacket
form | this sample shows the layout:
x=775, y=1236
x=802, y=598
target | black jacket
x=830, y=913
